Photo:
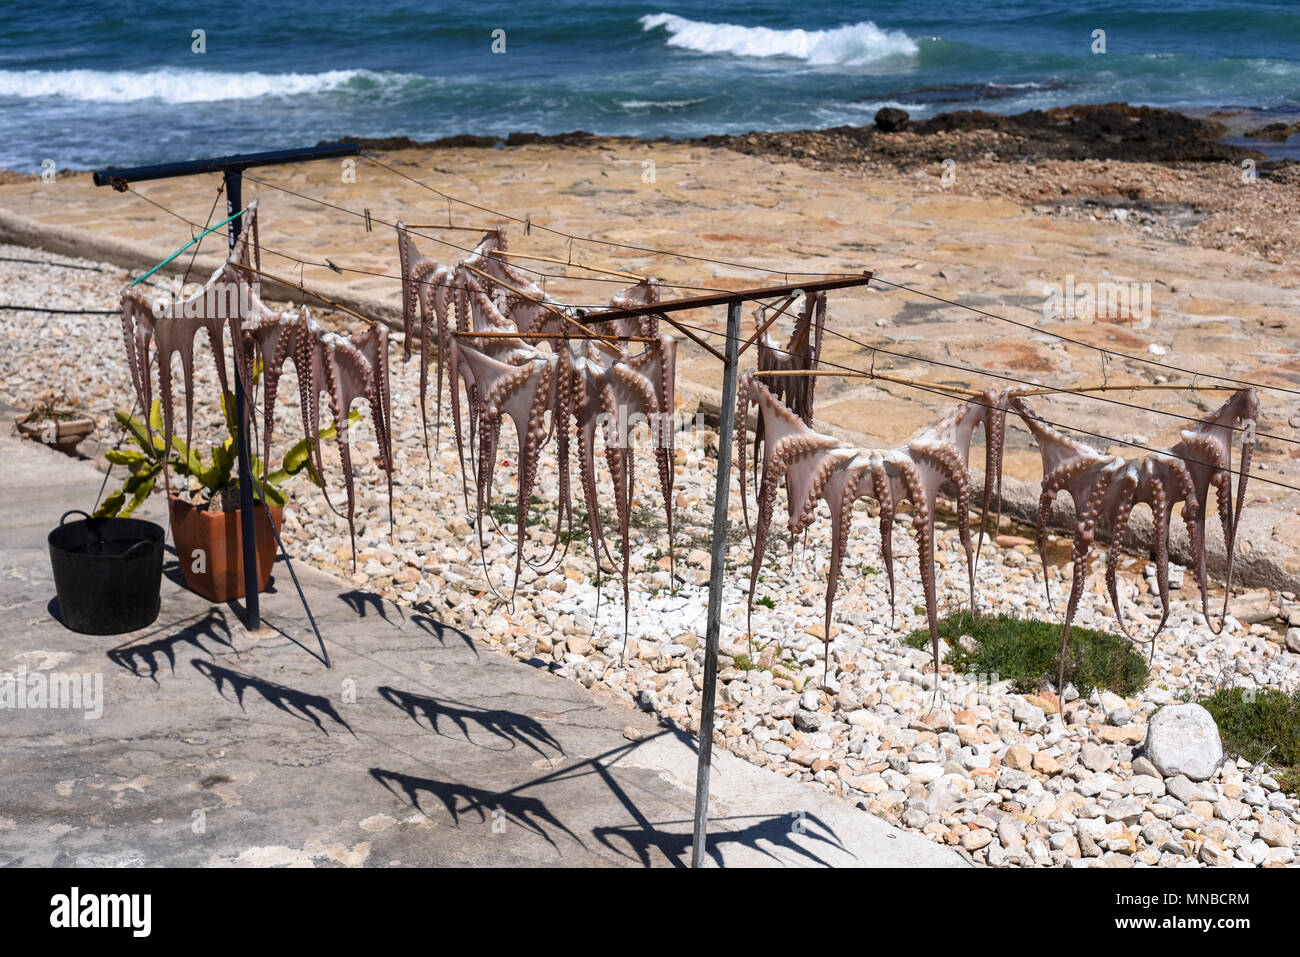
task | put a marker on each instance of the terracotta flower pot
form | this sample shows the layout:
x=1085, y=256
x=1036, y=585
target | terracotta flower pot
x=210, y=548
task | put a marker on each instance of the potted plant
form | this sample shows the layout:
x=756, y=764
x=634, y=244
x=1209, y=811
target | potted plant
x=205, y=517
x=52, y=422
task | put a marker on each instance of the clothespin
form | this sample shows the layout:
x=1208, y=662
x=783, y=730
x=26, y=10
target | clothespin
x=528, y=225
x=369, y=224
x=334, y=267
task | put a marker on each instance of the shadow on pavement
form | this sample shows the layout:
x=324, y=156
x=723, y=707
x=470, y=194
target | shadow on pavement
x=141, y=657
x=289, y=700
x=510, y=727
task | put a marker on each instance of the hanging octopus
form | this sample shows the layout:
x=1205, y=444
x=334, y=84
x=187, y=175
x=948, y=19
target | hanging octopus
x=1109, y=487
x=345, y=368
x=819, y=467
x=586, y=382
x=172, y=326
x=426, y=290
x=802, y=351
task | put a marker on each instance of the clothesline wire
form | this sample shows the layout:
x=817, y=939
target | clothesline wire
x=958, y=392
x=1087, y=345
x=331, y=265
x=61, y=312
x=1029, y=382
x=966, y=369
x=194, y=255
x=531, y=223
x=952, y=302
x=465, y=249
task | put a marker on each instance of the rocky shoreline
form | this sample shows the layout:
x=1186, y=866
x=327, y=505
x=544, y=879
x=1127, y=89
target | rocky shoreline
x=1110, y=131
x=1001, y=776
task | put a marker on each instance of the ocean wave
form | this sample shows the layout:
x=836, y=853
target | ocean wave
x=660, y=104
x=853, y=44
x=174, y=85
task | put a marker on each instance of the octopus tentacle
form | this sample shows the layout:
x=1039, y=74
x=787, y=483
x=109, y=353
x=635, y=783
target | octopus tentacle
x=1122, y=509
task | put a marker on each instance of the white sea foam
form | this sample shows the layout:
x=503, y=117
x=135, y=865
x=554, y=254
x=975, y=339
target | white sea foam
x=853, y=44
x=169, y=85
x=660, y=104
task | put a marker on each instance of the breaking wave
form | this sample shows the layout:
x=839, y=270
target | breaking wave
x=850, y=45
x=176, y=86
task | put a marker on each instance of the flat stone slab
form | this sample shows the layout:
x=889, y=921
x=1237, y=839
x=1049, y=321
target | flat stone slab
x=218, y=747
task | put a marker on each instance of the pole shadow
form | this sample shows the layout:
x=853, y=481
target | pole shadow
x=777, y=832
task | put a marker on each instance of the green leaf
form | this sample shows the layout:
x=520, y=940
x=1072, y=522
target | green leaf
x=125, y=457
x=275, y=496
x=186, y=460
x=155, y=415
x=138, y=432
x=223, y=459
x=295, y=459
x=146, y=469
x=228, y=410
x=142, y=493
x=111, y=505
x=133, y=482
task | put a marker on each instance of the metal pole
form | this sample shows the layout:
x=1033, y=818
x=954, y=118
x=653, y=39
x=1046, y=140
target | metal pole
x=717, y=556
x=247, y=527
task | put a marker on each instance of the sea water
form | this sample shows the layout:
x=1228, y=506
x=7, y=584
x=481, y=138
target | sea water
x=140, y=81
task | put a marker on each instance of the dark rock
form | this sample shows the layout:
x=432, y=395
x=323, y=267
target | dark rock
x=1274, y=131
x=891, y=119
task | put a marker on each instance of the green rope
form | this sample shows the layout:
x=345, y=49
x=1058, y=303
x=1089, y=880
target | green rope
x=140, y=279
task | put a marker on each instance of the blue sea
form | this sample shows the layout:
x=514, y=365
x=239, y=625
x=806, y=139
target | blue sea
x=89, y=84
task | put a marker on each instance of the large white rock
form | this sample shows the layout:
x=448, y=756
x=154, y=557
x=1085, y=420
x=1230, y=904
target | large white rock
x=1293, y=640
x=1183, y=739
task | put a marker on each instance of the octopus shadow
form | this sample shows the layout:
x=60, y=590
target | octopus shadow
x=530, y=813
x=141, y=657
x=303, y=706
x=362, y=603
x=511, y=728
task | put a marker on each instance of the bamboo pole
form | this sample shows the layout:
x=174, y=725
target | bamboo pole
x=767, y=325
x=303, y=289
x=546, y=335
x=471, y=229
x=545, y=305
x=1131, y=387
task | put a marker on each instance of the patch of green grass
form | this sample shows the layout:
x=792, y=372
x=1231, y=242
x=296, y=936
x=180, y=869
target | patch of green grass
x=1260, y=724
x=866, y=569
x=744, y=663
x=766, y=601
x=505, y=511
x=1027, y=651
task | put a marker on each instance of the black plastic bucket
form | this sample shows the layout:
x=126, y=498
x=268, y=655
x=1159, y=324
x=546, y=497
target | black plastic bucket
x=107, y=572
